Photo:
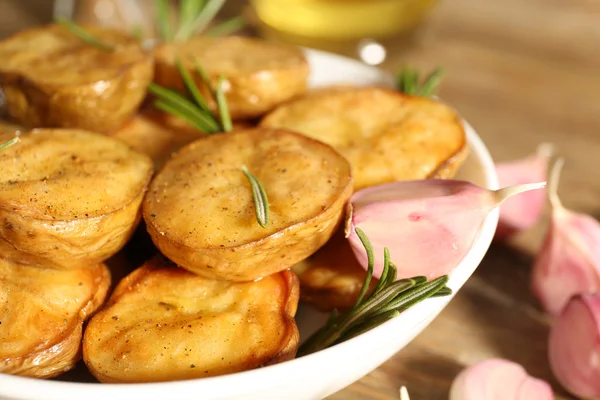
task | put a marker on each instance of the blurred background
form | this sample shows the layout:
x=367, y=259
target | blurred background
x=521, y=72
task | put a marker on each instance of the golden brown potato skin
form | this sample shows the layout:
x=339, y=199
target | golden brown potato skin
x=163, y=323
x=9, y=127
x=332, y=277
x=200, y=212
x=259, y=74
x=158, y=134
x=69, y=198
x=53, y=79
x=387, y=136
x=42, y=313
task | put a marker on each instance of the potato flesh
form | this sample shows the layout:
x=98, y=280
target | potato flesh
x=259, y=75
x=385, y=135
x=63, y=205
x=51, y=78
x=164, y=323
x=200, y=210
x=41, y=314
x=53, y=174
x=52, y=55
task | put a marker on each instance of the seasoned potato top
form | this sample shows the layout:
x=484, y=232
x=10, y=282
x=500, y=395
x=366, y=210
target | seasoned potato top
x=63, y=174
x=164, y=323
x=53, y=55
x=386, y=135
x=233, y=55
x=39, y=306
x=201, y=198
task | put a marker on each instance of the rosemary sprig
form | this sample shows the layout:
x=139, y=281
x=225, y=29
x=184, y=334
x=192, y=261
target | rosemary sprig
x=84, y=35
x=408, y=81
x=195, y=107
x=386, y=301
x=261, y=202
x=9, y=143
x=194, y=16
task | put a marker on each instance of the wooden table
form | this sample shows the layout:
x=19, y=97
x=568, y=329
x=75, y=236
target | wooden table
x=522, y=72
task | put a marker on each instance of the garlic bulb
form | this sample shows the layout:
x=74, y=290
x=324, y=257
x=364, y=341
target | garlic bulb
x=569, y=260
x=429, y=226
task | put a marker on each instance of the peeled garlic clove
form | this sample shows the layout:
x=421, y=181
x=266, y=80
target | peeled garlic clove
x=428, y=226
x=569, y=260
x=498, y=379
x=522, y=212
x=574, y=348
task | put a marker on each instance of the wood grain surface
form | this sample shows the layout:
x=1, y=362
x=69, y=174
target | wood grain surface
x=522, y=72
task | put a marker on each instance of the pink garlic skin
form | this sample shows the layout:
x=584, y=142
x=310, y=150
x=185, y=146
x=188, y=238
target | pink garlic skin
x=498, y=379
x=569, y=261
x=428, y=226
x=574, y=347
x=520, y=213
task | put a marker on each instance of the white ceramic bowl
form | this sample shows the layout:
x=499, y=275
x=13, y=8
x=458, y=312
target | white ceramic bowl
x=320, y=374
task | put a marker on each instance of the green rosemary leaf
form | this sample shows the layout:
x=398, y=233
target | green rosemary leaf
x=386, y=269
x=184, y=108
x=368, y=325
x=431, y=83
x=261, y=202
x=227, y=27
x=223, y=107
x=85, y=36
x=415, y=294
x=392, y=274
x=203, y=19
x=190, y=85
x=188, y=12
x=163, y=19
x=9, y=143
x=171, y=109
x=370, y=263
x=445, y=291
x=204, y=76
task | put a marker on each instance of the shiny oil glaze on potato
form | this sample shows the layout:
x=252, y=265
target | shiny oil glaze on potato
x=68, y=198
x=386, y=136
x=201, y=214
x=163, y=323
x=51, y=78
x=259, y=74
x=42, y=312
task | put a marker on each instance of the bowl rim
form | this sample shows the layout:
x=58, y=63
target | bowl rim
x=18, y=387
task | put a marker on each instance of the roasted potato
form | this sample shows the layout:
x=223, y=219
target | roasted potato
x=387, y=136
x=158, y=134
x=42, y=312
x=201, y=214
x=332, y=277
x=259, y=74
x=68, y=198
x=163, y=323
x=51, y=78
x=8, y=127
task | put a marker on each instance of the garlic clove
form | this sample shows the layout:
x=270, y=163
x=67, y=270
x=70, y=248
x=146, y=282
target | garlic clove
x=498, y=379
x=574, y=346
x=428, y=226
x=569, y=261
x=522, y=212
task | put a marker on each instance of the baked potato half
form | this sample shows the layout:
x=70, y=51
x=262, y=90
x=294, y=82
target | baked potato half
x=68, y=198
x=200, y=211
x=386, y=135
x=259, y=74
x=332, y=277
x=51, y=78
x=163, y=323
x=42, y=312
